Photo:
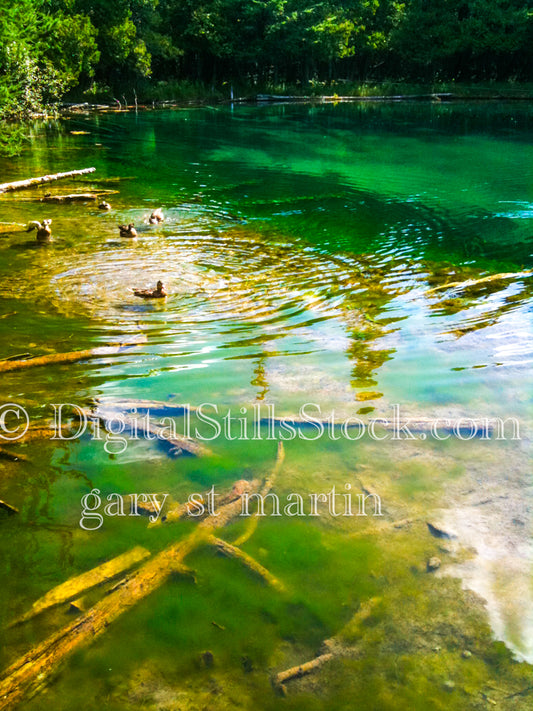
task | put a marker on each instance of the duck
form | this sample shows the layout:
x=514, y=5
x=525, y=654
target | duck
x=128, y=230
x=44, y=231
x=158, y=293
x=156, y=217
x=104, y=206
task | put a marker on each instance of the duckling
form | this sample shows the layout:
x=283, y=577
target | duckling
x=104, y=206
x=158, y=293
x=156, y=217
x=44, y=231
x=128, y=230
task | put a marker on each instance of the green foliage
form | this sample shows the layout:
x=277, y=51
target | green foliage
x=42, y=54
x=52, y=46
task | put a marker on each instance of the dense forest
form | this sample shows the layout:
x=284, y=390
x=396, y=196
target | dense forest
x=111, y=47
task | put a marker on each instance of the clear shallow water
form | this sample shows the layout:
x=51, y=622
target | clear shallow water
x=306, y=252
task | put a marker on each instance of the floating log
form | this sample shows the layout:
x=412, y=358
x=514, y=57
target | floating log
x=234, y=552
x=86, y=581
x=28, y=674
x=30, y=182
x=63, y=358
x=4, y=506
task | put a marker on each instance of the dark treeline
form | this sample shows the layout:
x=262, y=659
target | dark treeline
x=108, y=47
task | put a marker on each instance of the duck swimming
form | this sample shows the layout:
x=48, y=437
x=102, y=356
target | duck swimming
x=104, y=206
x=158, y=293
x=44, y=231
x=128, y=230
x=156, y=217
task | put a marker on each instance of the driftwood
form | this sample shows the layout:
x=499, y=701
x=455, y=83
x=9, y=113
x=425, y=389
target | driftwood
x=341, y=645
x=26, y=675
x=30, y=182
x=62, y=358
x=74, y=587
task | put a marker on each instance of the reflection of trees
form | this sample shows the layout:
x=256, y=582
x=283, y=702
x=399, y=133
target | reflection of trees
x=286, y=291
x=259, y=379
x=282, y=289
x=472, y=298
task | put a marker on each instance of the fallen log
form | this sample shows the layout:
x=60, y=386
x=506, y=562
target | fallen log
x=62, y=358
x=74, y=587
x=234, y=552
x=28, y=674
x=30, y=182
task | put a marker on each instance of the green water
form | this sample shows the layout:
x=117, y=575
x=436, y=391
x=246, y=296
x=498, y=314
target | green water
x=306, y=251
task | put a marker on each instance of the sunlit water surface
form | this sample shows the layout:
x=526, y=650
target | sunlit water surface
x=322, y=255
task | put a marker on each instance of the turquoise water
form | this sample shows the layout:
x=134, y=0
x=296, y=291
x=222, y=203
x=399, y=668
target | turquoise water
x=306, y=252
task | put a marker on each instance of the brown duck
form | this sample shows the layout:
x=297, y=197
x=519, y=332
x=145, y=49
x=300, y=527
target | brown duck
x=127, y=230
x=44, y=231
x=158, y=293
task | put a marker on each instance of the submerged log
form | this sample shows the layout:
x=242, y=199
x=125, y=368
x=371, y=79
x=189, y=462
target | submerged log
x=177, y=445
x=341, y=645
x=30, y=182
x=28, y=674
x=74, y=587
x=12, y=456
x=4, y=506
x=62, y=358
x=155, y=407
x=234, y=552
x=302, y=669
x=482, y=427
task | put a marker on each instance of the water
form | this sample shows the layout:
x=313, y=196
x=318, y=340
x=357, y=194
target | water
x=312, y=254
